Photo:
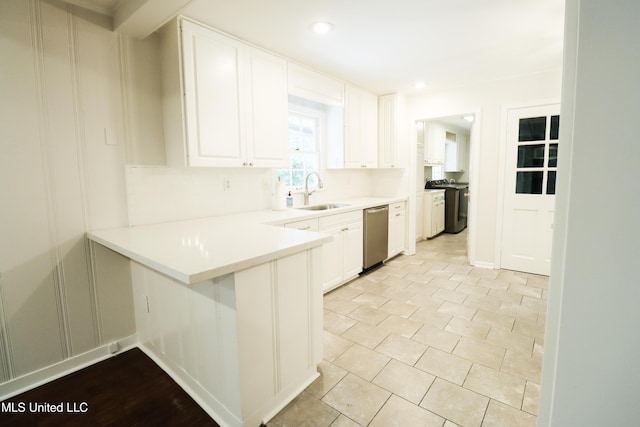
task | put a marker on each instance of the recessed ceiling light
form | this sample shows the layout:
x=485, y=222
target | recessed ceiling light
x=321, y=27
x=419, y=84
x=469, y=118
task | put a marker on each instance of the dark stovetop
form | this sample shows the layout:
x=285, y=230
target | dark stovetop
x=443, y=183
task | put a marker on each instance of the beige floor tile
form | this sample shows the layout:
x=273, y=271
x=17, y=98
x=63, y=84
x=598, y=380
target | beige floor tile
x=501, y=415
x=305, y=411
x=426, y=300
x=330, y=375
x=365, y=335
x=494, y=284
x=531, y=398
x=334, y=346
x=437, y=338
x=459, y=269
x=511, y=277
x=442, y=281
x=465, y=279
x=431, y=318
x=529, y=329
x=523, y=366
x=448, y=295
x=397, y=281
x=422, y=278
x=343, y=421
x=446, y=424
x=483, y=302
x=397, y=294
x=538, y=350
x=493, y=319
x=464, y=407
x=444, y=365
x=457, y=310
x=337, y=323
x=371, y=287
x=347, y=292
x=479, y=352
x=472, y=289
x=362, y=361
x=400, y=326
x=340, y=305
x=534, y=303
x=395, y=271
x=401, y=349
x=504, y=296
x=522, y=289
x=398, y=308
x=357, y=399
x=369, y=315
x=397, y=412
x=519, y=312
x=509, y=340
x=405, y=381
x=370, y=299
x=467, y=328
x=484, y=273
x=500, y=386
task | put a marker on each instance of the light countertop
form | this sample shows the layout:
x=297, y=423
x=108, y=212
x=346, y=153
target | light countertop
x=200, y=249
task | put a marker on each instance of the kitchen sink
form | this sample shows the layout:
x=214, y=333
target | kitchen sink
x=323, y=207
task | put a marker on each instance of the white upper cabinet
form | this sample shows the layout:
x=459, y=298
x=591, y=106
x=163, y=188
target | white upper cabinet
x=234, y=107
x=389, y=121
x=455, y=155
x=434, y=147
x=361, y=129
x=308, y=84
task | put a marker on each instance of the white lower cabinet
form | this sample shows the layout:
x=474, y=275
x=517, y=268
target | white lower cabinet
x=433, y=213
x=342, y=258
x=206, y=335
x=397, y=228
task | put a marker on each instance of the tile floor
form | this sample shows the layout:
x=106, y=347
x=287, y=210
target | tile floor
x=428, y=340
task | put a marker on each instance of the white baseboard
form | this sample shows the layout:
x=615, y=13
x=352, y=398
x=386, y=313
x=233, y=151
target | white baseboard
x=58, y=370
x=481, y=264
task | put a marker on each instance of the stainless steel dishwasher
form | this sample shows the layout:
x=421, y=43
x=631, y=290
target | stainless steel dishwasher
x=376, y=235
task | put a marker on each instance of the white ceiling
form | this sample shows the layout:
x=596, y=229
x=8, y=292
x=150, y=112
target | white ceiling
x=386, y=45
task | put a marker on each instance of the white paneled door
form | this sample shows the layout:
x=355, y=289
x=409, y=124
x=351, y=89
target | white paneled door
x=529, y=188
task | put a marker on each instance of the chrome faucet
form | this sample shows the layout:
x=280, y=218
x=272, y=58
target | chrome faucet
x=306, y=186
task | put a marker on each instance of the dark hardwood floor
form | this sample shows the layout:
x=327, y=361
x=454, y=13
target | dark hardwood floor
x=126, y=390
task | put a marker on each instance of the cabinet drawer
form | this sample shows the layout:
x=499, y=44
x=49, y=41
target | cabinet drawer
x=307, y=224
x=338, y=219
x=397, y=208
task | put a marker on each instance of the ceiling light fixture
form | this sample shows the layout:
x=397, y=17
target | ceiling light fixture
x=322, y=27
x=419, y=84
x=469, y=118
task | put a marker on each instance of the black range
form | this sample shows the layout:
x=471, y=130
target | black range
x=455, y=203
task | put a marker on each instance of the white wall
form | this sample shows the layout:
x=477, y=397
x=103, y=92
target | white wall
x=591, y=369
x=66, y=81
x=487, y=99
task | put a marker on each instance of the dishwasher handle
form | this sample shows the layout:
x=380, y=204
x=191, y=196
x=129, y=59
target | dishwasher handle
x=377, y=209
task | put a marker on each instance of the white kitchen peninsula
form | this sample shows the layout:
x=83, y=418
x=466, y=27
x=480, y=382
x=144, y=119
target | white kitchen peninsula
x=231, y=310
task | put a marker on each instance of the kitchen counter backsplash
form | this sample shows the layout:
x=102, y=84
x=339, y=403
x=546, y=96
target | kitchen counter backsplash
x=158, y=194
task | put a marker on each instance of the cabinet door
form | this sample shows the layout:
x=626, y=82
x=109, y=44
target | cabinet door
x=438, y=216
x=419, y=217
x=396, y=229
x=361, y=129
x=332, y=259
x=266, y=108
x=211, y=64
x=388, y=131
x=434, y=144
x=353, y=249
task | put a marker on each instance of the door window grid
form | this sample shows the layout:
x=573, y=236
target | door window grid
x=537, y=157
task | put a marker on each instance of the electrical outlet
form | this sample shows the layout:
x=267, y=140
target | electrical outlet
x=226, y=184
